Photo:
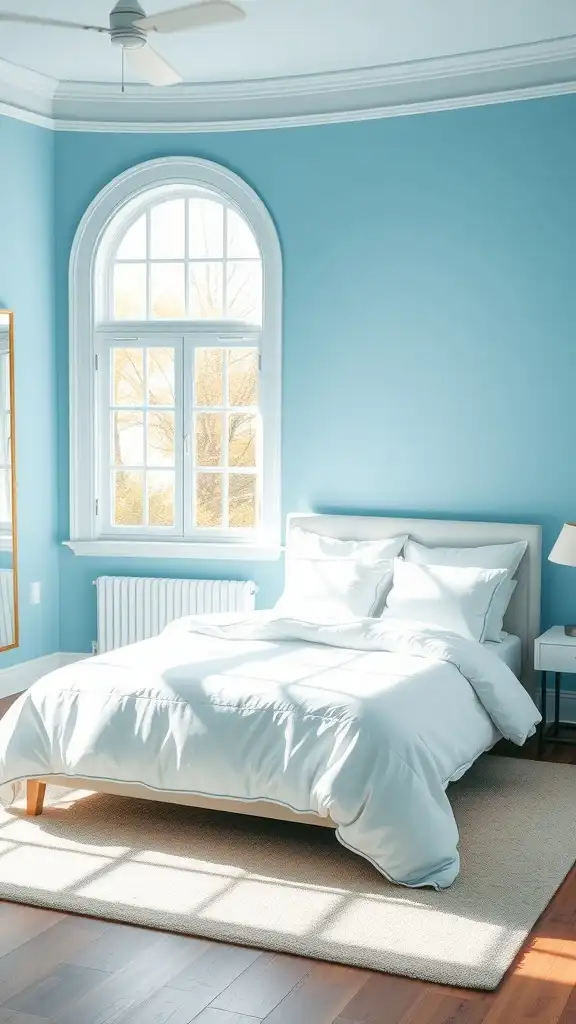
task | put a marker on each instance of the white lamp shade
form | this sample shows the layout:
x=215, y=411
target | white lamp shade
x=564, y=550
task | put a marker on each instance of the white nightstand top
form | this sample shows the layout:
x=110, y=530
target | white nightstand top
x=557, y=637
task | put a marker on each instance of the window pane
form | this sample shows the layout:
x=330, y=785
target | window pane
x=160, y=376
x=208, y=376
x=206, y=291
x=160, y=498
x=129, y=291
x=242, y=435
x=244, y=291
x=133, y=245
x=161, y=444
x=206, y=229
x=242, y=500
x=167, y=230
x=208, y=431
x=241, y=241
x=167, y=300
x=128, y=438
x=242, y=376
x=128, y=498
x=128, y=376
x=208, y=511
x=5, y=495
x=6, y=449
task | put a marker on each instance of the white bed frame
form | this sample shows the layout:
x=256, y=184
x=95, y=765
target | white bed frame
x=522, y=619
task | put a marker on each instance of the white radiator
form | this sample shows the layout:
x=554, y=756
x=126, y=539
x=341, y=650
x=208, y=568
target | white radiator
x=134, y=608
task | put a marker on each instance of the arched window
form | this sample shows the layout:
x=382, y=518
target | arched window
x=175, y=290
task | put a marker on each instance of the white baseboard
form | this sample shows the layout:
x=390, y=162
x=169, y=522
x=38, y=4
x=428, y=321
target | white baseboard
x=19, y=677
x=567, y=706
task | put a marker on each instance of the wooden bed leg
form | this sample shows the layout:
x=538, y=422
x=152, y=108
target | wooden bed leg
x=35, y=792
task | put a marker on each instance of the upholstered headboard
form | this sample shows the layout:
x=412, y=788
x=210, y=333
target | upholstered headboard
x=523, y=615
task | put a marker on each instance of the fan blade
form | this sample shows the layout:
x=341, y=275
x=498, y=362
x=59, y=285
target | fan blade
x=212, y=12
x=150, y=66
x=29, y=19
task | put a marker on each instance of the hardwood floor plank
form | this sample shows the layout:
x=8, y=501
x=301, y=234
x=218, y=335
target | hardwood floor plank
x=170, y=1006
x=320, y=997
x=38, y=957
x=568, y=1015
x=263, y=985
x=540, y=986
x=19, y=924
x=437, y=1008
x=117, y=948
x=384, y=993
x=56, y=991
x=218, y=967
x=13, y=1017
x=128, y=988
x=212, y=1016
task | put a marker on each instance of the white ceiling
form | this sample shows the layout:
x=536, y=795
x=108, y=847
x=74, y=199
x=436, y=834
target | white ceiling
x=290, y=62
x=282, y=38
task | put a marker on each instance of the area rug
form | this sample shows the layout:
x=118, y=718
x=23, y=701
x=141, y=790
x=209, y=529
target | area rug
x=293, y=888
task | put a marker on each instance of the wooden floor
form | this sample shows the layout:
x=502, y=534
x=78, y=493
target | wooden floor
x=73, y=970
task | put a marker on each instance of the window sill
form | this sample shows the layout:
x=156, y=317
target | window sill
x=207, y=550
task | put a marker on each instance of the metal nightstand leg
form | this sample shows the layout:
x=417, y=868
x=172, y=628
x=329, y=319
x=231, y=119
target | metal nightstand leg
x=557, y=680
x=542, y=729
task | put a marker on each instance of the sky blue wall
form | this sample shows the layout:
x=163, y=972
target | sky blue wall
x=27, y=287
x=430, y=319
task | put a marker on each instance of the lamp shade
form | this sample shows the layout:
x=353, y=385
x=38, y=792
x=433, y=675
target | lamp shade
x=564, y=550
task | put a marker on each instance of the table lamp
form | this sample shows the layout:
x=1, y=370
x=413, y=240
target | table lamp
x=564, y=552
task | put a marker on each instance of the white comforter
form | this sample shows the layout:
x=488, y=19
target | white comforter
x=366, y=722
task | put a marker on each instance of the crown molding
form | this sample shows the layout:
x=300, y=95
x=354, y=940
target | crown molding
x=527, y=71
x=26, y=95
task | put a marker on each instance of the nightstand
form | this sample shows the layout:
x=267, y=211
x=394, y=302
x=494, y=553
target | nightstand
x=554, y=652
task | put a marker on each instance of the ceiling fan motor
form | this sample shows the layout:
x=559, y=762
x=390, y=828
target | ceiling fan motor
x=123, y=28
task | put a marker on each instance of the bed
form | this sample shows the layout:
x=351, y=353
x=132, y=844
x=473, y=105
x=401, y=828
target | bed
x=282, y=720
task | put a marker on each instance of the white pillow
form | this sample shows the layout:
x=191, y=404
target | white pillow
x=448, y=597
x=487, y=556
x=331, y=580
x=498, y=608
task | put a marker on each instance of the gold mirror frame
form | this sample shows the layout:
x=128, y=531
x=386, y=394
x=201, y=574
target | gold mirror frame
x=9, y=315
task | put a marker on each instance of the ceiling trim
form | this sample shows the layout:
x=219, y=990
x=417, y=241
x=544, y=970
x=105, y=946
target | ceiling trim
x=308, y=120
x=530, y=71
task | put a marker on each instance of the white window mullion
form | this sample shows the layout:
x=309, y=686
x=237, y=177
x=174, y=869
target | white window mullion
x=225, y=474
x=225, y=264
x=103, y=426
x=188, y=481
x=148, y=264
x=187, y=257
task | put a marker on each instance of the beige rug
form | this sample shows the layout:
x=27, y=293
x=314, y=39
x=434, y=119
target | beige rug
x=293, y=888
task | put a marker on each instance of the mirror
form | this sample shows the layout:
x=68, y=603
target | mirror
x=9, y=637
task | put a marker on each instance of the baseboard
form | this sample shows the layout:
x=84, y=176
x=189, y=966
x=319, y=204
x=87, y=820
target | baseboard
x=567, y=706
x=19, y=677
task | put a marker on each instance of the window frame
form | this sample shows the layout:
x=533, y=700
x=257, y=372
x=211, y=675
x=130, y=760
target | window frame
x=5, y=437
x=92, y=334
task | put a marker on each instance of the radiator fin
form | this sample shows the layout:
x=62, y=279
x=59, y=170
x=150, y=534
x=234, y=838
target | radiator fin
x=132, y=608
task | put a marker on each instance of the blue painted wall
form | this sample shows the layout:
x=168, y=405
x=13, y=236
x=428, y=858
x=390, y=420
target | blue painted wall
x=430, y=319
x=27, y=287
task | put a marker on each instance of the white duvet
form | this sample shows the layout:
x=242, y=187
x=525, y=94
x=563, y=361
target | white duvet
x=366, y=722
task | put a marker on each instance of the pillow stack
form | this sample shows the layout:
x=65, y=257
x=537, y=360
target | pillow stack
x=464, y=590
x=330, y=580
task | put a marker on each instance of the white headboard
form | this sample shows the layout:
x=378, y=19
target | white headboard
x=523, y=615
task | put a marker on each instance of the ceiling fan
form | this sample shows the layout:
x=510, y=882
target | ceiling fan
x=129, y=28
